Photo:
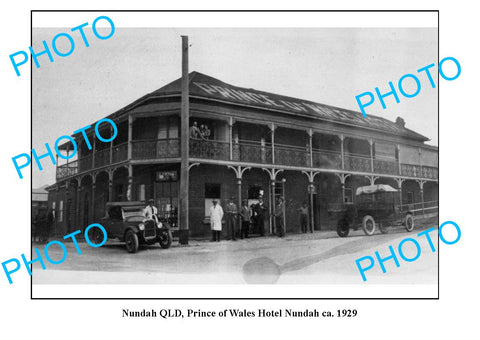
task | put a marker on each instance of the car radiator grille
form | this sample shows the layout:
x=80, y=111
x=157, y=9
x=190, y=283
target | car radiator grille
x=149, y=228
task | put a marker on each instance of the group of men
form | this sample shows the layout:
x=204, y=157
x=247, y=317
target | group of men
x=250, y=216
x=253, y=215
x=202, y=132
x=42, y=225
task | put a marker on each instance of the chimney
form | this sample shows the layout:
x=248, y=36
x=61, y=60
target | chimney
x=400, y=122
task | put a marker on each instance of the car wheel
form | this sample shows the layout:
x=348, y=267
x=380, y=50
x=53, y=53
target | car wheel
x=343, y=228
x=165, y=239
x=368, y=225
x=98, y=236
x=383, y=228
x=131, y=241
x=409, y=223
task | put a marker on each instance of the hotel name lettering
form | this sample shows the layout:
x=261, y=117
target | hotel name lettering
x=166, y=176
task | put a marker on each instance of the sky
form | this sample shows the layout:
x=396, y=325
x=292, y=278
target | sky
x=324, y=65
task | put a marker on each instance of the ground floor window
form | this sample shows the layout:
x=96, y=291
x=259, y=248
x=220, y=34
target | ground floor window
x=119, y=193
x=60, y=211
x=86, y=204
x=348, y=195
x=141, y=192
x=166, y=198
x=409, y=197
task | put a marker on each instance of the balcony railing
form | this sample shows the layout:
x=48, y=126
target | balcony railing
x=120, y=152
x=410, y=170
x=429, y=172
x=155, y=148
x=356, y=162
x=252, y=152
x=292, y=155
x=385, y=167
x=85, y=163
x=326, y=159
x=210, y=149
x=246, y=152
x=102, y=157
x=67, y=170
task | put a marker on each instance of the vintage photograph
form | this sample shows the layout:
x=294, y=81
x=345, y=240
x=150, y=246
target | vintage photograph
x=235, y=156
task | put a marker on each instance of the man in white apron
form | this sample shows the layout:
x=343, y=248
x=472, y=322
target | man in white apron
x=216, y=215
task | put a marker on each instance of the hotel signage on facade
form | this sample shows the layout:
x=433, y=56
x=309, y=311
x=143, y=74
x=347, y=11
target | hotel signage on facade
x=166, y=176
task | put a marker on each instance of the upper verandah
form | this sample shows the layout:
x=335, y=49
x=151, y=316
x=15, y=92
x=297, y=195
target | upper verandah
x=205, y=87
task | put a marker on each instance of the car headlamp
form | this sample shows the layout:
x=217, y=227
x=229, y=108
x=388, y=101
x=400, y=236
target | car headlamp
x=159, y=225
x=141, y=226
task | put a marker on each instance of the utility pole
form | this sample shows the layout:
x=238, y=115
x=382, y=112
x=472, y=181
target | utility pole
x=184, y=146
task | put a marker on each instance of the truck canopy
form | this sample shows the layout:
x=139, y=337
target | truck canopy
x=371, y=189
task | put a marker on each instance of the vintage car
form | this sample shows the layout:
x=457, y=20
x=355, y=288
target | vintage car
x=375, y=205
x=126, y=221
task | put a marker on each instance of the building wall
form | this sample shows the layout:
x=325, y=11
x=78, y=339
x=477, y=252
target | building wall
x=37, y=206
x=296, y=192
x=409, y=155
x=101, y=195
x=199, y=176
x=291, y=137
x=430, y=192
x=430, y=158
x=411, y=192
x=71, y=216
x=328, y=196
x=57, y=202
x=85, y=209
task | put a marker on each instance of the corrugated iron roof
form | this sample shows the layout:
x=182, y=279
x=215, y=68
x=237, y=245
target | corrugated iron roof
x=41, y=190
x=209, y=88
x=40, y=194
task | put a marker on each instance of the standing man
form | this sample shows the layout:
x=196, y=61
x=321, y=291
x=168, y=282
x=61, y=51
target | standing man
x=151, y=211
x=279, y=213
x=303, y=217
x=42, y=226
x=50, y=221
x=232, y=213
x=195, y=132
x=35, y=226
x=216, y=216
x=261, y=212
x=245, y=215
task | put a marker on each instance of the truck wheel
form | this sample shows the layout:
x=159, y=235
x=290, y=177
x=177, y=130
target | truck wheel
x=165, y=239
x=342, y=228
x=409, y=223
x=368, y=225
x=131, y=241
